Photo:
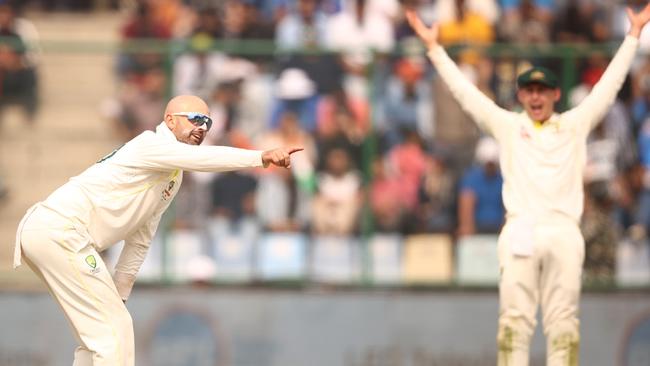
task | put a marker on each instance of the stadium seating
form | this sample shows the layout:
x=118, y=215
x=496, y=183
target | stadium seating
x=427, y=259
x=477, y=262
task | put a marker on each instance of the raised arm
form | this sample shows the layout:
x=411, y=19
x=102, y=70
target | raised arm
x=592, y=109
x=483, y=110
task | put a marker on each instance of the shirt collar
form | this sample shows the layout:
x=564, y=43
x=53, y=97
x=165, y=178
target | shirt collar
x=553, y=121
x=164, y=131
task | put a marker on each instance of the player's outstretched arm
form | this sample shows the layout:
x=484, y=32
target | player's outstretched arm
x=280, y=157
x=638, y=20
x=483, y=110
x=592, y=109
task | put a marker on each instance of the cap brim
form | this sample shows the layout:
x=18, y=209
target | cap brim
x=540, y=82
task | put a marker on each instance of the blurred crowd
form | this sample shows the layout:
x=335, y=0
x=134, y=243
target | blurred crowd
x=387, y=149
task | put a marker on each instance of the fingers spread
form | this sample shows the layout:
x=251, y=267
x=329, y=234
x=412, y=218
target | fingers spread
x=414, y=20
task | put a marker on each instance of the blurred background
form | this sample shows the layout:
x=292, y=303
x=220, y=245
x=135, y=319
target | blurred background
x=378, y=247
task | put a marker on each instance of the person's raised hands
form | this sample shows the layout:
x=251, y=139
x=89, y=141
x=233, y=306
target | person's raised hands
x=638, y=20
x=429, y=35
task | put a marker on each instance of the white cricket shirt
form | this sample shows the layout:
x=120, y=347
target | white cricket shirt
x=542, y=167
x=123, y=195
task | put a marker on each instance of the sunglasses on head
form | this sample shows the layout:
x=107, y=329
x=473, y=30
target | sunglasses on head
x=197, y=119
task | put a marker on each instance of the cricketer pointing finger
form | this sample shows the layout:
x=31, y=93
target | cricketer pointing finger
x=121, y=197
x=543, y=153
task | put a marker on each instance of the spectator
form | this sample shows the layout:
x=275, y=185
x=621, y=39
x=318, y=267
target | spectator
x=408, y=159
x=525, y=24
x=357, y=33
x=582, y=21
x=141, y=25
x=386, y=204
x=464, y=25
x=241, y=20
x=197, y=71
x=342, y=132
x=408, y=102
x=295, y=92
x=480, y=207
x=283, y=200
x=179, y=17
x=234, y=20
x=601, y=237
x=447, y=10
x=543, y=10
x=640, y=107
x=11, y=23
x=139, y=105
x=208, y=23
x=225, y=113
x=337, y=202
x=303, y=29
x=233, y=196
x=233, y=205
x=200, y=69
x=18, y=81
x=436, y=197
x=257, y=27
x=642, y=216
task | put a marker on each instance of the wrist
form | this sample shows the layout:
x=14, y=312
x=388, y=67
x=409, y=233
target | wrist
x=634, y=32
x=265, y=161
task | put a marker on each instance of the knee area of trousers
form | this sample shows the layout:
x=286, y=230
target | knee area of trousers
x=563, y=335
x=510, y=337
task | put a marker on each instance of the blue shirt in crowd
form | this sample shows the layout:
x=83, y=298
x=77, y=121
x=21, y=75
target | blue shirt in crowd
x=489, y=212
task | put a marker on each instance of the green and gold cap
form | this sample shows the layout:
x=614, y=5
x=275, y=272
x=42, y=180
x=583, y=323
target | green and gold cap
x=539, y=75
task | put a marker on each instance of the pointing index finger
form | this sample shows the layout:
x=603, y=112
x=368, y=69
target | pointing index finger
x=295, y=149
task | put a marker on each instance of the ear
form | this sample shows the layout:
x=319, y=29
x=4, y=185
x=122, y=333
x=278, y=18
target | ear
x=557, y=94
x=170, y=121
x=520, y=95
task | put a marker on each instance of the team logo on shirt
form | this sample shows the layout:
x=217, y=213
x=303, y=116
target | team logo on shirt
x=92, y=263
x=523, y=133
x=167, y=193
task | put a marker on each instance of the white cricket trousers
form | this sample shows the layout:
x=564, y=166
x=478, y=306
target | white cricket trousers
x=80, y=283
x=550, y=277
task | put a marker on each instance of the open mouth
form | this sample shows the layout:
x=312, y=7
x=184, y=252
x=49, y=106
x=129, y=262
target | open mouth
x=536, y=107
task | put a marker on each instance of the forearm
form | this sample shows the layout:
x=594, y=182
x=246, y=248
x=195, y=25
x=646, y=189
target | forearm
x=481, y=108
x=176, y=155
x=603, y=95
x=635, y=31
x=127, y=267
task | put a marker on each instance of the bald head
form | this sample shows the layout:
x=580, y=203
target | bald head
x=179, y=124
x=186, y=103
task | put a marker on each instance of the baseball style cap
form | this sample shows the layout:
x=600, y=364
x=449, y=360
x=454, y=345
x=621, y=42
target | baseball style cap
x=539, y=75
